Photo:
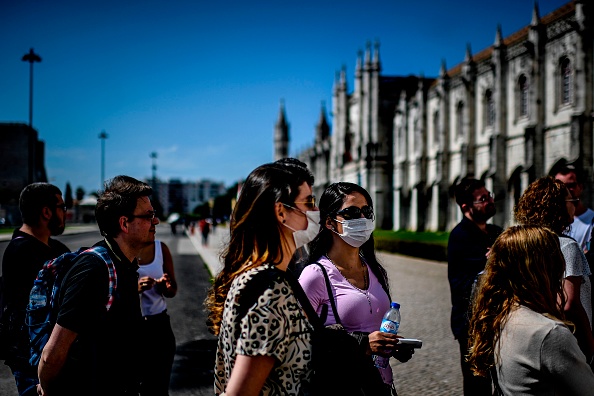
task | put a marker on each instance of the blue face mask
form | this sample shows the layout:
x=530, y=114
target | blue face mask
x=357, y=231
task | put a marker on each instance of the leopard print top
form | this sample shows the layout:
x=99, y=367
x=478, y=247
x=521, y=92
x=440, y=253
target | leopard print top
x=274, y=326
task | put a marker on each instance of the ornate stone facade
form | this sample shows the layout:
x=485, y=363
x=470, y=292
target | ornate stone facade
x=507, y=114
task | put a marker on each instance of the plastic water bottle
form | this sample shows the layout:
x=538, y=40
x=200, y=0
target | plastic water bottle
x=38, y=295
x=390, y=324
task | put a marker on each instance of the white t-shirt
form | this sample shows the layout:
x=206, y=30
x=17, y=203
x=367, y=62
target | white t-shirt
x=577, y=265
x=581, y=229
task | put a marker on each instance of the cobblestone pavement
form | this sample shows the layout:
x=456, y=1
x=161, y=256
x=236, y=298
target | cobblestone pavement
x=422, y=289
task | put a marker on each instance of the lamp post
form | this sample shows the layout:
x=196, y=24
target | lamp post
x=31, y=57
x=103, y=136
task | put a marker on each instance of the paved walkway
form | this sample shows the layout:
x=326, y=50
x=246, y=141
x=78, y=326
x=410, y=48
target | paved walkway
x=422, y=289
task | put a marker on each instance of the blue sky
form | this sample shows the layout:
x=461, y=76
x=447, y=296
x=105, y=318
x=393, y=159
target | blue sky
x=200, y=82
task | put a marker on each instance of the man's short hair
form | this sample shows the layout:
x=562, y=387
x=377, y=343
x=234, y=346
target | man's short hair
x=566, y=169
x=119, y=198
x=34, y=198
x=465, y=189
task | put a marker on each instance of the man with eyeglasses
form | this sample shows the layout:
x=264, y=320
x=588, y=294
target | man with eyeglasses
x=93, y=351
x=44, y=214
x=468, y=246
x=581, y=228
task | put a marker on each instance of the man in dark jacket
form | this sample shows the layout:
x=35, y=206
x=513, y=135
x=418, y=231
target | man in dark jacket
x=93, y=351
x=468, y=245
x=44, y=213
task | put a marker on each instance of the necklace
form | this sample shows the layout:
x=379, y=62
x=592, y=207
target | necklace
x=364, y=291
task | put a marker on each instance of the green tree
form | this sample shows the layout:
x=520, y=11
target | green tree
x=68, y=196
x=80, y=193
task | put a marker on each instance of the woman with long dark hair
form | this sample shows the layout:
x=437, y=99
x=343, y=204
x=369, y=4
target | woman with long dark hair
x=359, y=284
x=518, y=330
x=264, y=345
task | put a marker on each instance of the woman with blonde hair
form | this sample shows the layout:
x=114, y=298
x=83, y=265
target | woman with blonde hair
x=264, y=345
x=518, y=330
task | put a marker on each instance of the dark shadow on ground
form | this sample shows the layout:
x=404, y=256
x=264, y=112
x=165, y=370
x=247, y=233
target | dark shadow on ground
x=194, y=365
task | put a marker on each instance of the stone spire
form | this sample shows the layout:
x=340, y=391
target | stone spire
x=443, y=71
x=535, y=15
x=322, y=128
x=281, y=134
x=498, y=37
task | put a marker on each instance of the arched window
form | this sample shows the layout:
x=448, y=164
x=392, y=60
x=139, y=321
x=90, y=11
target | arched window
x=523, y=95
x=566, y=77
x=460, y=119
x=489, y=108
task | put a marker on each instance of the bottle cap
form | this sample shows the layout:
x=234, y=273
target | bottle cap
x=395, y=305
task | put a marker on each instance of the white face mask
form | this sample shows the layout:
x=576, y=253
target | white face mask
x=303, y=237
x=356, y=232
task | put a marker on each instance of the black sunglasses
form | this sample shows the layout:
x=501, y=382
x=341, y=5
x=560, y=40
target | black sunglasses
x=354, y=212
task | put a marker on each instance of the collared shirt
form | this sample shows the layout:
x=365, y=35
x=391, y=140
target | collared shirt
x=105, y=352
x=467, y=249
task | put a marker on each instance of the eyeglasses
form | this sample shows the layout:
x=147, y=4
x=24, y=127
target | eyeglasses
x=310, y=204
x=62, y=206
x=354, y=212
x=150, y=216
x=485, y=198
x=573, y=200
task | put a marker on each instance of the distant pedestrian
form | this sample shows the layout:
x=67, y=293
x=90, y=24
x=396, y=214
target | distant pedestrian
x=468, y=245
x=44, y=213
x=204, y=231
x=518, y=327
x=264, y=347
x=92, y=351
x=157, y=341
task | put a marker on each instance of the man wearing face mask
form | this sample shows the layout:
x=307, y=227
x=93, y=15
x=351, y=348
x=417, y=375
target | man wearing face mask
x=344, y=251
x=468, y=245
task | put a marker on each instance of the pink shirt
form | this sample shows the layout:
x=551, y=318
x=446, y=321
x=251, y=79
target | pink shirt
x=359, y=310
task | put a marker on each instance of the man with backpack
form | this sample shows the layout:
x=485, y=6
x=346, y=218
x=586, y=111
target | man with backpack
x=43, y=213
x=93, y=348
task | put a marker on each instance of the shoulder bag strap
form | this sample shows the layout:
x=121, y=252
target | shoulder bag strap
x=310, y=312
x=330, y=295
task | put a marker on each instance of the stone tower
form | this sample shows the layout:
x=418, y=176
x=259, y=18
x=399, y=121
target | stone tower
x=281, y=135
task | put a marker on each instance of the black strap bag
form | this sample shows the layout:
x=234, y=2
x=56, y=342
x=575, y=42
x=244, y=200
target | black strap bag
x=341, y=365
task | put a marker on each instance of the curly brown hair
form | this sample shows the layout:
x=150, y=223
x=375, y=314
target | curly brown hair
x=543, y=204
x=525, y=267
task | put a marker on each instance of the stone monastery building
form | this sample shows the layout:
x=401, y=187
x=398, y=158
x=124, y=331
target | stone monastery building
x=507, y=115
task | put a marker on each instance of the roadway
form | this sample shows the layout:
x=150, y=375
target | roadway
x=420, y=286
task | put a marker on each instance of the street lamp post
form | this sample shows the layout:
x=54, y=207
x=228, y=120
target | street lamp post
x=103, y=136
x=31, y=57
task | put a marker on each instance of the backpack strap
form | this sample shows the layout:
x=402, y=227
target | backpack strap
x=103, y=254
x=330, y=295
x=255, y=287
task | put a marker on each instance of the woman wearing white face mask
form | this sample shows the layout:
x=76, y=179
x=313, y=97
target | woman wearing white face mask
x=264, y=340
x=344, y=249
